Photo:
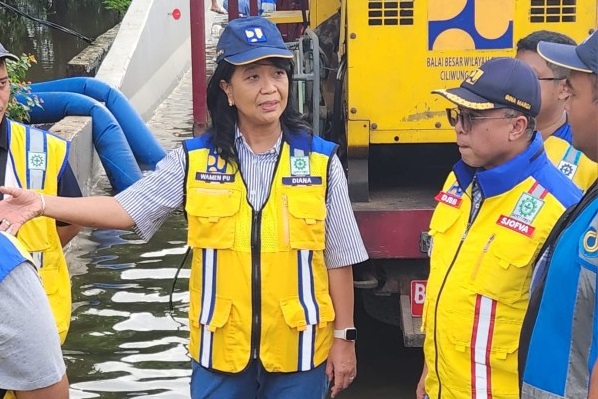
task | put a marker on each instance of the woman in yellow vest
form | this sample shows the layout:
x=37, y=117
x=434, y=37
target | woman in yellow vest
x=270, y=224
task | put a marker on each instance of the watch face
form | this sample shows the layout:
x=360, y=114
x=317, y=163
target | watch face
x=350, y=334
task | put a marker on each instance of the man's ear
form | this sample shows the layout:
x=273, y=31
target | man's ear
x=563, y=93
x=519, y=128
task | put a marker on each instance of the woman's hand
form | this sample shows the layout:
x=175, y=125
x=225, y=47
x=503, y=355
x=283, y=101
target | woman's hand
x=341, y=367
x=18, y=207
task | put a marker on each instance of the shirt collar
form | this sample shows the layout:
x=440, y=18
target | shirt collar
x=240, y=140
x=4, y=134
x=503, y=178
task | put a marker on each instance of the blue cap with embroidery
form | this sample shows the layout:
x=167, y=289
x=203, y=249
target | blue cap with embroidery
x=5, y=54
x=246, y=40
x=498, y=83
x=582, y=58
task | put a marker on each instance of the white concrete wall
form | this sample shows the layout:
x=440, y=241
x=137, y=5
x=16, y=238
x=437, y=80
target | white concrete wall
x=83, y=158
x=151, y=52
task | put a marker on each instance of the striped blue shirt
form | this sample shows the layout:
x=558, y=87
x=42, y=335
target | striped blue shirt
x=150, y=200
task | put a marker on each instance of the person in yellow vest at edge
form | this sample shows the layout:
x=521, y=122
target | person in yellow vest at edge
x=36, y=159
x=494, y=212
x=552, y=121
x=271, y=227
x=31, y=361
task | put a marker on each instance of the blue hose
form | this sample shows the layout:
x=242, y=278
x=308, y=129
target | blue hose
x=108, y=138
x=146, y=149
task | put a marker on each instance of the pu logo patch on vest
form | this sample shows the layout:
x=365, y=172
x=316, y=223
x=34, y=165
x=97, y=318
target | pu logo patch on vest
x=527, y=208
x=36, y=160
x=451, y=197
x=470, y=24
x=255, y=35
x=216, y=169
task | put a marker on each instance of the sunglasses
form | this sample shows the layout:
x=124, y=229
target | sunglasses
x=467, y=119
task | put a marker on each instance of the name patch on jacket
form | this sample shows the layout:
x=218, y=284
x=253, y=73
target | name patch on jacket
x=452, y=197
x=215, y=177
x=302, y=180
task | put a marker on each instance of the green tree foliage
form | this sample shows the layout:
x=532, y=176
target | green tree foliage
x=119, y=5
x=17, y=72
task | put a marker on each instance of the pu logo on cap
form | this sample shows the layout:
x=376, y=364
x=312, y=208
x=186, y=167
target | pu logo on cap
x=255, y=35
x=474, y=76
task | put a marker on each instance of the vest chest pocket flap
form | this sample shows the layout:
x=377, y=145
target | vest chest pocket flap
x=212, y=217
x=307, y=214
x=503, y=269
x=299, y=314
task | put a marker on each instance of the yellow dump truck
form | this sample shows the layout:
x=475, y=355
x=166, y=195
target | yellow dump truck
x=366, y=69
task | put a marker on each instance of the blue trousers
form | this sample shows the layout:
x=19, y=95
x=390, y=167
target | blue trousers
x=257, y=383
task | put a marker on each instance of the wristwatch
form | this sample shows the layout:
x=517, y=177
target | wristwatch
x=348, y=334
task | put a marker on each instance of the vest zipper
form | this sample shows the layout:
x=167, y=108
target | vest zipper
x=463, y=237
x=256, y=286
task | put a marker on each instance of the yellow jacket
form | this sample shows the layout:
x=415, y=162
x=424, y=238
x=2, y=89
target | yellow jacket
x=571, y=162
x=38, y=159
x=259, y=285
x=480, y=272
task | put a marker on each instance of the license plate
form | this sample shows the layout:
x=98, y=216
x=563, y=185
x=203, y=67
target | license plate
x=418, y=295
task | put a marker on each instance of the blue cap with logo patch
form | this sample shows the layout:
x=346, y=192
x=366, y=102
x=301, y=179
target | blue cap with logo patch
x=498, y=83
x=582, y=58
x=5, y=54
x=246, y=40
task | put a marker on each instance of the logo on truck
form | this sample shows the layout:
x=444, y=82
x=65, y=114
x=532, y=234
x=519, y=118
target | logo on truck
x=470, y=24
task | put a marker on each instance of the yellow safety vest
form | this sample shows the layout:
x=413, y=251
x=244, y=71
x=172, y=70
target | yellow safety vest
x=38, y=159
x=477, y=292
x=259, y=284
x=571, y=162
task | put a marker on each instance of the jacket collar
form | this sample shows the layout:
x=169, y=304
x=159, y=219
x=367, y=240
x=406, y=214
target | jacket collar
x=4, y=134
x=503, y=178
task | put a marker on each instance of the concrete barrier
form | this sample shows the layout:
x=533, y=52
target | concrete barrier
x=151, y=52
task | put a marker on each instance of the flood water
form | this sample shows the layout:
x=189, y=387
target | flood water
x=53, y=49
x=124, y=342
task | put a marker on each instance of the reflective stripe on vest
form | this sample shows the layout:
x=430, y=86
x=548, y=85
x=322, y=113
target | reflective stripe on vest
x=37, y=157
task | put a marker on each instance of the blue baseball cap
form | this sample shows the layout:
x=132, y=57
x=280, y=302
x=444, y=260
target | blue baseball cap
x=246, y=40
x=582, y=58
x=498, y=83
x=5, y=54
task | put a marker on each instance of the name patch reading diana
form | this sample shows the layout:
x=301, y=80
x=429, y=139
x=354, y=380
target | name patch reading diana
x=302, y=180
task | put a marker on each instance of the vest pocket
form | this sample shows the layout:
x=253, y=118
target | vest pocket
x=34, y=235
x=298, y=316
x=503, y=269
x=220, y=313
x=212, y=217
x=307, y=212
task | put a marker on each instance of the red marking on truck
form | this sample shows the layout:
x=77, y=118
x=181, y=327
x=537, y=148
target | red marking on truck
x=418, y=296
x=449, y=199
x=516, y=225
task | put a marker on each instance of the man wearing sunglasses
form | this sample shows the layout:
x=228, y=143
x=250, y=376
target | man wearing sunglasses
x=493, y=214
x=552, y=121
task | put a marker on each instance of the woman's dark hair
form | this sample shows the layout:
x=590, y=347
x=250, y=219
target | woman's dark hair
x=224, y=117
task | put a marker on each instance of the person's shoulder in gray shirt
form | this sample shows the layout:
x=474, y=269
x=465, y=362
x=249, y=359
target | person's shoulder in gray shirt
x=30, y=355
